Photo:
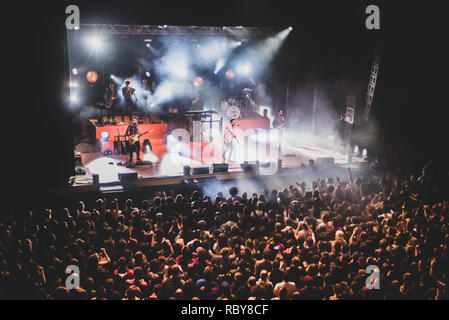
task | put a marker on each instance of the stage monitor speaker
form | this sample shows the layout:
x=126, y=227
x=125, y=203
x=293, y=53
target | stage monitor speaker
x=187, y=170
x=95, y=178
x=325, y=161
x=127, y=177
x=249, y=166
x=220, y=167
x=201, y=170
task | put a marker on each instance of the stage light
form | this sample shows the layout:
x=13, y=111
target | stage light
x=95, y=42
x=75, y=71
x=165, y=26
x=365, y=153
x=239, y=43
x=92, y=76
x=230, y=74
x=220, y=64
x=112, y=76
x=73, y=98
x=147, y=73
x=148, y=45
x=356, y=150
x=290, y=28
x=197, y=82
x=104, y=136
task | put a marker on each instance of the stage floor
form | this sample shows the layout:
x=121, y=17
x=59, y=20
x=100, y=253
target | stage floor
x=108, y=167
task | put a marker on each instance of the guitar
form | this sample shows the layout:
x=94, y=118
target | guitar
x=135, y=137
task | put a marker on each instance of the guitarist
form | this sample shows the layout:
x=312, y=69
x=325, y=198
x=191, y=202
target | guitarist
x=278, y=124
x=134, y=146
x=111, y=98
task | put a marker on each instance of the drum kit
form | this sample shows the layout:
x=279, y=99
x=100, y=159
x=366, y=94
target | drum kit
x=232, y=103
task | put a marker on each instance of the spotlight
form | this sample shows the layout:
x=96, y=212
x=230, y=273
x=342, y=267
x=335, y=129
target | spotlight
x=147, y=73
x=239, y=43
x=73, y=99
x=197, y=82
x=92, y=76
x=104, y=136
x=290, y=28
x=112, y=76
x=365, y=154
x=75, y=71
x=165, y=26
x=148, y=45
x=95, y=42
x=230, y=74
x=220, y=64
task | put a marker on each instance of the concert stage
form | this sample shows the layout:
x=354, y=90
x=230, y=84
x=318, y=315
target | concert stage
x=170, y=170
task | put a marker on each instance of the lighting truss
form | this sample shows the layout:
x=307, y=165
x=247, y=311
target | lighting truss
x=126, y=29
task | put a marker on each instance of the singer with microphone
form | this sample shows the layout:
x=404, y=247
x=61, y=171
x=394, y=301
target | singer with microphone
x=230, y=138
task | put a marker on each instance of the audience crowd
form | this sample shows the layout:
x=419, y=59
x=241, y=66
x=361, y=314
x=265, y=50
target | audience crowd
x=302, y=242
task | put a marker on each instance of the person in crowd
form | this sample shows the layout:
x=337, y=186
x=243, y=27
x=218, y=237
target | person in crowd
x=314, y=243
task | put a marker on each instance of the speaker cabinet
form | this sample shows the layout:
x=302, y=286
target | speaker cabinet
x=250, y=166
x=127, y=177
x=220, y=167
x=201, y=170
